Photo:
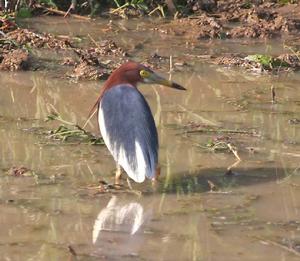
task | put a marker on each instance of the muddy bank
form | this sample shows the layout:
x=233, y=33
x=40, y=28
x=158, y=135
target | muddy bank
x=21, y=49
x=94, y=60
x=72, y=57
x=18, y=51
x=237, y=19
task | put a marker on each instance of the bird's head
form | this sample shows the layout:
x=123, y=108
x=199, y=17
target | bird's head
x=148, y=76
x=133, y=73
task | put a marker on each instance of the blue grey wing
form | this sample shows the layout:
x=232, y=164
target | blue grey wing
x=128, y=129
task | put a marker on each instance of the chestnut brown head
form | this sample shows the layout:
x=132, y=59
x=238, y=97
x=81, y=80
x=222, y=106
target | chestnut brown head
x=133, y=73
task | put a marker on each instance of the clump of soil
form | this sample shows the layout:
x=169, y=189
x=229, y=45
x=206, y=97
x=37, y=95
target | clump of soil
x=89, y=62
x=263, y=23
x=95, y=63
x=208, y=27
x=105, y=48
x=15, y=60
x=14, y=47
x=20, y=172
x=28, y=37
x=200, y=27
x=156, y=61
x=239, y=19
x=83, y=70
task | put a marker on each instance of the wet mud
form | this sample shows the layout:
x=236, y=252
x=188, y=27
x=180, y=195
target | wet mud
x=19, y=49
x=237, y=19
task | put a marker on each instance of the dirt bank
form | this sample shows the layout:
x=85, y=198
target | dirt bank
x=237, y=19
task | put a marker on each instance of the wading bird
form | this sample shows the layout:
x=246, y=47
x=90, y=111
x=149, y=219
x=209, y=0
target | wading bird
x=126, y=123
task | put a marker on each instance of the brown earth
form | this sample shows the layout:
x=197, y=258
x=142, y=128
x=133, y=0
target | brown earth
x=15, y=60
x=88, y=62
x=215, y=19
x=238, y=19
x=94, y=61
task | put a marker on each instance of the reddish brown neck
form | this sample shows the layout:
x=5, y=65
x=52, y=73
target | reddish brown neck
x=115, y=80
x=128, y=73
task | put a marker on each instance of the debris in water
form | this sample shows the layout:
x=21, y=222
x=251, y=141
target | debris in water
x=280, y=245
x=260, y=63
x=212, y=186
x=294, y=121
x=15, y=60
x=21, y=172
x=85, y=71
x=72, y=251
x=105, y=187
x=273, y=94
x=71, y=132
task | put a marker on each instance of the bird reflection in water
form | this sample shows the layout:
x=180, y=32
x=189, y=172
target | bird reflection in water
x=119, y=223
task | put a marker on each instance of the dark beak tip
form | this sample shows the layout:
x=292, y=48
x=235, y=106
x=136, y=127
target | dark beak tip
x=178, y=86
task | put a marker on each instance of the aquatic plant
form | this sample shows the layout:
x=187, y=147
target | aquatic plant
x=71, y=131
x=266, y=61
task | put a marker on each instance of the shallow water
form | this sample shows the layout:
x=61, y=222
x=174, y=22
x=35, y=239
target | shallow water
x=251, y=216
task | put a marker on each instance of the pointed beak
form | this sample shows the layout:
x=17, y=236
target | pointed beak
x=162, y=81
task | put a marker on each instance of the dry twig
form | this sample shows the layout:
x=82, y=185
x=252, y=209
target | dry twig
x=274, y=243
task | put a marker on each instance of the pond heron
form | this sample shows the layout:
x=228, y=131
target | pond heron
x=126, y=123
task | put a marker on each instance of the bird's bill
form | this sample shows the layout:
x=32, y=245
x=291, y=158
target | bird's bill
x=162, y=81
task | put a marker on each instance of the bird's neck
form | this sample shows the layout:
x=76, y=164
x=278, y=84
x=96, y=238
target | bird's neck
x=110, y=83
x=115, y=81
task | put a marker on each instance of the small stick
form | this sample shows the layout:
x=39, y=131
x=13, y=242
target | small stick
x=212, y=186
x=72, y=7
x=161, y=9
x=292, y=50
x=129, y=184
x=119, y=8
x=287, y=178
x=291, y=250
x=232, y=166
x=117, y=3
x=273, y=94
x=223, y=131
x=87, y=121
x=2, y=33
x=69, y=10
x=52, y=10
x=12, y=95
x=234, y=151
x=93, y=40
x=171, y=64
x=155, y=9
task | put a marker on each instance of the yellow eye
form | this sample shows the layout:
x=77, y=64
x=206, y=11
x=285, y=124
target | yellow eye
x=144, y=74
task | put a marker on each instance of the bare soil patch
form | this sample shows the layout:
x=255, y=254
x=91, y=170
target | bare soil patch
x=239, y=19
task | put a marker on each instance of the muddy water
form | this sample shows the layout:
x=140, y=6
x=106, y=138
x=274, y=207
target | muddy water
x=253, y=215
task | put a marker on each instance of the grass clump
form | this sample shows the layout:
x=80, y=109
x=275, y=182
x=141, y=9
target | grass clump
x=266, y=61
x=68, y=131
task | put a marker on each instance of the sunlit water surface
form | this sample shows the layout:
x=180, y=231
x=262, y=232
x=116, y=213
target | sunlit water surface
x=250, y=212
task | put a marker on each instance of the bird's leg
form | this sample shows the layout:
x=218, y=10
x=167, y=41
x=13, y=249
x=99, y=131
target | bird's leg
x=129, y=184
x=118, y=175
